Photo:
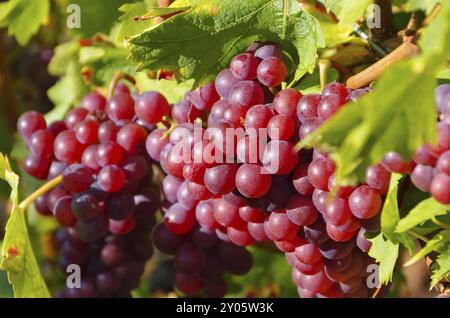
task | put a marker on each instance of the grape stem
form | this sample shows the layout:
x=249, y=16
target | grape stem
x=376, y=292
x=173, y=125
x=43, y=189
x=405, y=50
x=115, y=80
x=324, y=67
x=432, y=15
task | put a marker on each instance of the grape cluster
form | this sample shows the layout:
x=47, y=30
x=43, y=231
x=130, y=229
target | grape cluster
x=221, y=193
x=431, y=163
x=105, y=203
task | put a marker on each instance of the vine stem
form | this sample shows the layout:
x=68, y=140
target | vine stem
x=43, y=189
x=405, y=50
x=115, y=80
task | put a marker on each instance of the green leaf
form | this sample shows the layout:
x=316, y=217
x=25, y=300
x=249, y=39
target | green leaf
x=104, y=61
x=390, y=216
x=347, y=11
x=385, y=253
x=24, y=17
x=386, y=119
x=437, y=242
x=17, y=254
x=128, y=26
x=66, y=93
x=425, y=5
x=201, y=41
x=64, y=55
x=424, y=211
x=172, y=90
x=440, y=268
x=310, y=83
x=97, y=16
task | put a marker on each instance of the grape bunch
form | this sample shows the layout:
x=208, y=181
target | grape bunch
x=430, y=166
x=106, y=202
x=232, y=179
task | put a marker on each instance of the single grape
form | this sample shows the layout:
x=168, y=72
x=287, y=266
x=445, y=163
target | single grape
x=151, y=106
x=307, y=106
x=221, y=179
x=89, y=158
x=84, y=206
x=281, y=127
x=67, y=148
x=440, y=188
x=41, y=143
x=107, y=131
x=63, y=212
x=280, y=157
x=378, y=178
x=131, y=138
x=30, y=122
x=301, y=211
x=225, y=80
x=393, y=162
x=422, y=176
x=77, y=178
x=319, y=171
x=268, y=50
x=271, y=71
x=75, y=116
x=37, y=166
x=120, y=107
x=244, y=66
x=285, y=102
x=252, y=181
x=120, y=206
x=86, y=131
x=111, y=178
x=94, y=102
x=179, y=220
x=364, y=202
x=246, y=94
x=257, y=117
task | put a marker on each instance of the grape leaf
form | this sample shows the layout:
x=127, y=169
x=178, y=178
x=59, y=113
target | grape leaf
x=333, y=32
x=64, y=55
x=201, y=41
x=347, y=11
x=386, y=119
x=424, y=211
x=97, y=16
x=438, y=241
x=172, y=90
x=310, y=83
x=385, y=253
x=390, y=216
x=128, y=26
x=66, y=93
x=104, y=61
x=17, y=255
x=24, y=17
x=441, y=267
x=425, y=5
